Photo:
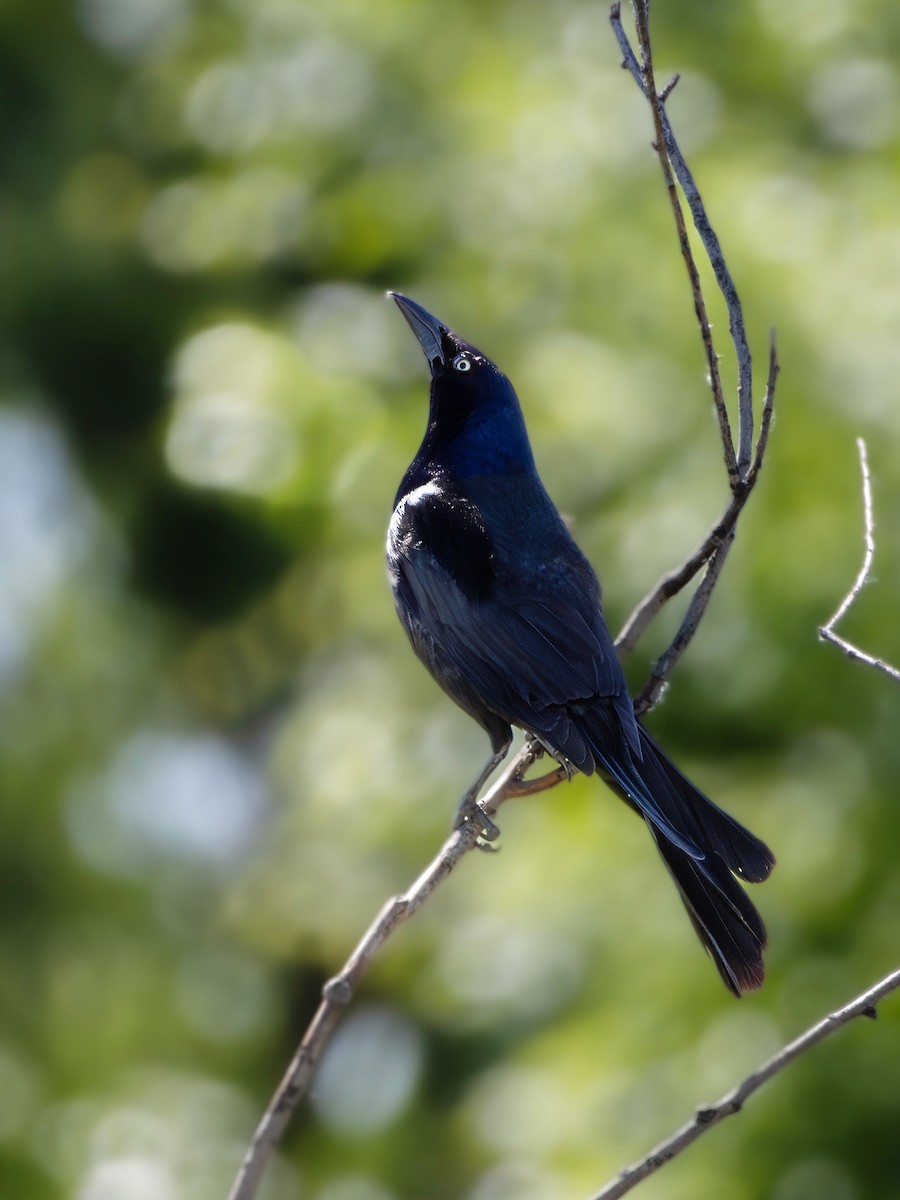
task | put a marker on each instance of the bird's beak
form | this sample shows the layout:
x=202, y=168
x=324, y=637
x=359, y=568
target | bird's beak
x=428, y=329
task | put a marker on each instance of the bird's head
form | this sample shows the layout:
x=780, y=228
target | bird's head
x=475, y=414
x=448, y=355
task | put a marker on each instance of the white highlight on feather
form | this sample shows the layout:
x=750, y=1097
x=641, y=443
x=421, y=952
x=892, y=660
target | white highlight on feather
x=431, y=488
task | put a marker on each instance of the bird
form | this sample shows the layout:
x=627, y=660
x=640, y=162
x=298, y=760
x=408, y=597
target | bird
x=504, y=610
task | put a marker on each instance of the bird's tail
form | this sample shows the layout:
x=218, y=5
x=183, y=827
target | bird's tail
x=703, y=848
x=726, y=922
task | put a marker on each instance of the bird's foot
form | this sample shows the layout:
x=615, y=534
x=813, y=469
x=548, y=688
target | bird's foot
x=559, y=759
x=470, y=812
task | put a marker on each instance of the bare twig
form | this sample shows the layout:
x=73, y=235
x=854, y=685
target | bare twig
x=710, y=242
x=826, y=631
x=641, y=16
x=743, y=472
x=673, y=582
x=732, y=1102
x=650, y=693
x=338, y=991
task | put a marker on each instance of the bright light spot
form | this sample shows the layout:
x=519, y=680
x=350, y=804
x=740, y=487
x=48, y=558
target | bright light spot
x=229, y=108
x=323, y=85
x=185, y=797
x=344, y=329
x=518, y=1179
x=730, y=1045
x=47, y=527
x=789, y=215
x=368, y=1072
x=809, y=22
x=131, y=28
x=353, y=1187
x=183, y=227
x=230, y=425
x=128, y=1179
x=225, y=440
x=233, y=355
x=695, y=109
x=491, y=962
x=856, y=103
x=198, y=224
x=514, y=1110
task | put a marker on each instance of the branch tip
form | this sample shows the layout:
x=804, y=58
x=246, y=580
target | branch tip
x=827, y=631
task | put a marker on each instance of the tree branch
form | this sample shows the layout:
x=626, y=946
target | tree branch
x=648, y=87
x=826, y=631
x=732, y=1102
x=701, y=223
x=743, y=473
x=338, y=991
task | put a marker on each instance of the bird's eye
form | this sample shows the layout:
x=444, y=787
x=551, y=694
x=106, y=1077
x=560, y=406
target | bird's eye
x=461, y=363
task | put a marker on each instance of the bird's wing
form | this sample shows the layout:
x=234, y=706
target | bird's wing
x=540, y=667
x=528, y=647
x=540, y=658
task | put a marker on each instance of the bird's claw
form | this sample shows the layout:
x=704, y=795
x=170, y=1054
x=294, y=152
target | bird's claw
x=540, y=746
x=470, y=812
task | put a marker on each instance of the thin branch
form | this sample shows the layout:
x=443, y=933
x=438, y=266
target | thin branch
x=650, y=693
x=338, y=991
x=674, y=581
x=826, y=631
x=712, y=358
x=768, y=411
x=732, y=1102
x=743, y=472
x=710, y=243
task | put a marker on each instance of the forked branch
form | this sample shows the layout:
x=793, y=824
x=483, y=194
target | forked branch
x=827, y=631
x=742, y=471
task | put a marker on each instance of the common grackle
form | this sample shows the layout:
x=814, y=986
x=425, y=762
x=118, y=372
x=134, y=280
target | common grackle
x=504, y=610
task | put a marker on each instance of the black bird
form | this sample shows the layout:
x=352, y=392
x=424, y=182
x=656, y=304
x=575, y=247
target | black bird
x=504, y=610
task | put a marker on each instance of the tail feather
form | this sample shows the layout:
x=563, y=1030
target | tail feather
x=699, y=818
x=702, y=846
x=725, y=921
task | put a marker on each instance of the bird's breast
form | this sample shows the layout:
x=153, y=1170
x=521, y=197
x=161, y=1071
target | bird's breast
x=434, y=527
x=401, y=534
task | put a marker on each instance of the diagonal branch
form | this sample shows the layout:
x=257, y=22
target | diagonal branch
x=702, y=224
x=826, y=631
x=648, y=86
x=339, y=991
x=742, y=475
x=650, y=693
x=732, y=1102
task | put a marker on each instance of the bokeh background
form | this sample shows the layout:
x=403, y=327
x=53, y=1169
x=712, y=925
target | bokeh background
x=218, y=756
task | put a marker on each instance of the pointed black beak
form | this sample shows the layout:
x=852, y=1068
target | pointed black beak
x=428, y=329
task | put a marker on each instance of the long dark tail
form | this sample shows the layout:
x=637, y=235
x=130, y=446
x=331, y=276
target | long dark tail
x=726, y=922
x=702, y=846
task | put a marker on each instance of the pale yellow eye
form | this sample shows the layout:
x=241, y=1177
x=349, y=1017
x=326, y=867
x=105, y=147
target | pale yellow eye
x=461, y=363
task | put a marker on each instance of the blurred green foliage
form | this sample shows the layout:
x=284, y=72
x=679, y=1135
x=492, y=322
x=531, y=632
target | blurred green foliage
x=218, y=754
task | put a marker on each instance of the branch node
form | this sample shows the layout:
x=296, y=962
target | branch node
x=827, y=631
x=337, y=990
x=669, y=88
